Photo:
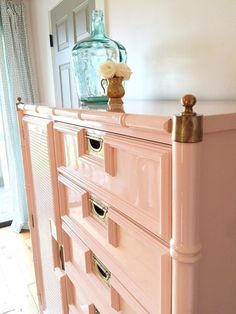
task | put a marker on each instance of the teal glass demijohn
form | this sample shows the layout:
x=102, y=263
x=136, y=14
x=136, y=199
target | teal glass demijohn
x=88, y=54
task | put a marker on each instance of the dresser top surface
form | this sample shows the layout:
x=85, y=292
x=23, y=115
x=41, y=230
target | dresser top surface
x=170, y=108
x=158, y=108
x=145, y=119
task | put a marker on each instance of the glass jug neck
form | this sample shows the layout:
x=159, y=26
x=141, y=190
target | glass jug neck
x=98, y=28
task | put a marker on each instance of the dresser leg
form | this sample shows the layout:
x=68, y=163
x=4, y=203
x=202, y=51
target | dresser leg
x=185, y=246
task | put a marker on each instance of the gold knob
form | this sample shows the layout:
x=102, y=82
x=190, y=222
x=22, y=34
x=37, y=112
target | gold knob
x=19, y=101
x=188, y=101
x=188, y=126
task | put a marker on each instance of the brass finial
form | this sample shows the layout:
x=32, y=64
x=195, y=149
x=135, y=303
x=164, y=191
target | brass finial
x=188, y=101
x=188, y=127
x=18, y=101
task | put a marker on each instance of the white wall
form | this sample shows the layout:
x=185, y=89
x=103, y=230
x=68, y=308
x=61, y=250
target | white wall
x=174, y=46
x=177, y=46
x=40, y=32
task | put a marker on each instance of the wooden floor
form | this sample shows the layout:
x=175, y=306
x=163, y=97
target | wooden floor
x=17, y=281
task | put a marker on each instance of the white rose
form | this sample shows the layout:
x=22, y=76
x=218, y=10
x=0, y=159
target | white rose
x=123, y=70
x=107, y=69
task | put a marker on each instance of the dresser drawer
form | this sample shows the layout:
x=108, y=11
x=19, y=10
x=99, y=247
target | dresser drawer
x=76, y=251
x=86, y=209
x=135, y=257
x=101, y=285
x=77, y=299
x=134, y=175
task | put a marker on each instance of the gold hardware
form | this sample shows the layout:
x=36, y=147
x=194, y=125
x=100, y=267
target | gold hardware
x=61, y=257
x=98, y=209
x=101, y=270
x=32, y=220
x=95, y=145
x=18, y=101
x=188, y=126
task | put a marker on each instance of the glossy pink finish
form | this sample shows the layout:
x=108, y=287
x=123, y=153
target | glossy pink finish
x=77, y=299
x=135, y=177
x=217, y=211
x=41, y=165
x=149, y=120
x=185, y=242
x=139, y=257
x=31, y=209
x=113, y=298
x=153, y=191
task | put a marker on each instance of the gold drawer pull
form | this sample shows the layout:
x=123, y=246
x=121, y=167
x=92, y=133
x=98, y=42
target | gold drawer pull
x=95, y=143
x=61, y=257
x=98, y=209
x=101, y=270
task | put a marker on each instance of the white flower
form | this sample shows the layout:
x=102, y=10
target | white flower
x=110, y=69
x=123, y=70
x=107, y=69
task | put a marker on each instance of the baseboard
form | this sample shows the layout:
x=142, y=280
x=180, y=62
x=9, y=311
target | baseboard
x=5, y=223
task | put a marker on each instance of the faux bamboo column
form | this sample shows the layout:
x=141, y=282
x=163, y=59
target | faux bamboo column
x=30, y=203
x=185, y=246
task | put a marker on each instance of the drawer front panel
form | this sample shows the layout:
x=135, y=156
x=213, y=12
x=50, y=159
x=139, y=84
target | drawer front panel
x=85, y=209
x=74, y=143
x=73, y=199
x=140, y=262
x=77, y=299
x=76, y=252
x=134, y=175
x=108, y=296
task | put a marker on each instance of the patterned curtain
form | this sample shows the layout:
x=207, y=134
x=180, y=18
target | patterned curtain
x=16, y=80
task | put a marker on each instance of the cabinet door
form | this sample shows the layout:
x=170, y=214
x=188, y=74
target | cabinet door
x=39, y=146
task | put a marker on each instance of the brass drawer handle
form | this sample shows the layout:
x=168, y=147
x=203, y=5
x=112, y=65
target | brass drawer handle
x=95, y=143
x=101, y=270
x=61, y=257
x=98, y=209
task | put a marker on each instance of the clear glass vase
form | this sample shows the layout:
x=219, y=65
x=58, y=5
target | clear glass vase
x=88, y=54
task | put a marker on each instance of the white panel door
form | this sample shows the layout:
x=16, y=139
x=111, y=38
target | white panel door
x=70, y=22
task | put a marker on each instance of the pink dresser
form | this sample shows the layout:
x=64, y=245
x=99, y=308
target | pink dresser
x=133, y=212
